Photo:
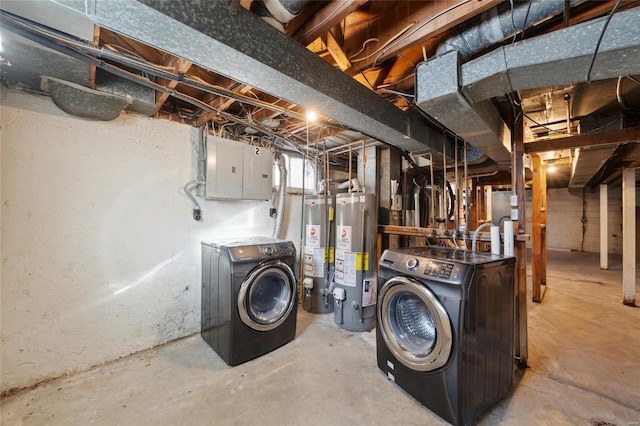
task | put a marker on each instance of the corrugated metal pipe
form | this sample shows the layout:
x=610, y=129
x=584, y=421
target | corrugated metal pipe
x=500, y=23
x=282, y=195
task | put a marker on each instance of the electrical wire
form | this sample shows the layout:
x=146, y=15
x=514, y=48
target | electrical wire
x=364, y=45
x=604, y=28
x=387, y=43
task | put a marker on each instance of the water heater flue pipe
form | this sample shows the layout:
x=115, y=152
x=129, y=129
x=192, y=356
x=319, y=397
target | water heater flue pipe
x=282, y=194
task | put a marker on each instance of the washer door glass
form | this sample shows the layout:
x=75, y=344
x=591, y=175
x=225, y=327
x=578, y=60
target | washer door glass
x=267, y=296
x=414, y=324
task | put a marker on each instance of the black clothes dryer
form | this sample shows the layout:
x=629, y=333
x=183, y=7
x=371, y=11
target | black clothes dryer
x=249, y=297
x=446, y=324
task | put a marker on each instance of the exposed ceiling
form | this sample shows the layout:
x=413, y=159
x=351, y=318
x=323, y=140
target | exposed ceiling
x=359, y=64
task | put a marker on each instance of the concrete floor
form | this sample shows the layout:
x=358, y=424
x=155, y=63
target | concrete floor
x=584, y=356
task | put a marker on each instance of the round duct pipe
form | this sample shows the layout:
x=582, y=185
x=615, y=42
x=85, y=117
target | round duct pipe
x=499, y=23
x=84, y=102
x=277, y=13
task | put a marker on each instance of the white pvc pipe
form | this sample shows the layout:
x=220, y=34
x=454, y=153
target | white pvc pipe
x=508, y=238
x=495, y=239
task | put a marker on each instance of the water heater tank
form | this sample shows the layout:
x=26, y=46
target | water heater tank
x=355, y=261
x=317, y=263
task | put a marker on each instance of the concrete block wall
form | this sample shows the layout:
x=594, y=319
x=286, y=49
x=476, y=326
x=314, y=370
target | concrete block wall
x=564, y=220
x=100, y=254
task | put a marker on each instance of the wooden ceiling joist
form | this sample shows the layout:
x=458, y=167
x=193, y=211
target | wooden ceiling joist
x=178, y=66
x=585, y=140
x=326, y=19
x=431, y=21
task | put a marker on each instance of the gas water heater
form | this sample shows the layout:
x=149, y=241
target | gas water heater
x=354, y=286
x=318, y=254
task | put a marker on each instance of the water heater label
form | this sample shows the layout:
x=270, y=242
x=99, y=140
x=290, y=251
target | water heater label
x=343, y=238
x=345, y=268
x=312, y=238
x=314, y=262
x=369, y=292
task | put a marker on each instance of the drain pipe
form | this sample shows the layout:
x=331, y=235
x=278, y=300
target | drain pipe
x=501, y=22
x=282, y=194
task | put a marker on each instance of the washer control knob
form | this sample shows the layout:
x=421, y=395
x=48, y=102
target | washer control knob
x=268, y=250
x=412, y=263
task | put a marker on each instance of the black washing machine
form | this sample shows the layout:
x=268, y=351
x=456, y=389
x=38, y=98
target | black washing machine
x=249, y=297
x=446, y=328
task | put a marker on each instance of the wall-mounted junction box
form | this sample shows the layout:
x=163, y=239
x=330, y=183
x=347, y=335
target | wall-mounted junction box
x=238, y=171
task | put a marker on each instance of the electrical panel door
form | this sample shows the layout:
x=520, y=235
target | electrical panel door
x=258, y=171
x=224, y=168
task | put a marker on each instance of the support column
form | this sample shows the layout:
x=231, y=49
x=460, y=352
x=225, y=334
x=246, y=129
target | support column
x=517, y=170
x=539, y=228
x=604, y=231
x=629, y=236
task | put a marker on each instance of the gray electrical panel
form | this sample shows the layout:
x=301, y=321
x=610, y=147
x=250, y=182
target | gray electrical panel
x=238, y=171
x=257, y=183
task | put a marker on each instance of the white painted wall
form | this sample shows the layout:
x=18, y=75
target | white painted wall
x=564, y=214
x=100, y=255
x=564, y=226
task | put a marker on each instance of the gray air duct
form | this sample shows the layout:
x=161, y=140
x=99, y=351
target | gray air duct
x=500, y=23
x=462, y=99
x=278, y=13
x=83, y=102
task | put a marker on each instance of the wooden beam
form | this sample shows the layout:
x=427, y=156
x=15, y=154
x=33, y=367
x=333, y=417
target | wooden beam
x=92, y=68
x=323, y=21
x=538, y=228
x=246, y=4
x=337, y=53
x=178, y=66
x=221, y=104
x=580, y=141
x=629, y=237
x=430, y=21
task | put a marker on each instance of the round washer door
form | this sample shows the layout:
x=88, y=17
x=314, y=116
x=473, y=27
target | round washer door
x=267, y=296
x=414, y=324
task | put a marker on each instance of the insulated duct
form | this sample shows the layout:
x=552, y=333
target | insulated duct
x=282, y=194
x=278, y=13
x=500, y=23
x=462, y=100
x=83, y=102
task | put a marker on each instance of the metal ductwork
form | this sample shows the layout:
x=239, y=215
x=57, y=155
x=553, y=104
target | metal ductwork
x=462, y=98
x=270, y=61
x=499, y=23
x=480, y=125
x=278, y=13
x=83, y=102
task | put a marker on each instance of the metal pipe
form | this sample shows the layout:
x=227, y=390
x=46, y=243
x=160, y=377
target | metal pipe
x=444, y=184
x=433, y=195
x=282, y=194
x=188, y=187
x=363, y=209
x=364, y=169
x=350, y=168
x=456, y=201
x=466, y=189
x=327, y=224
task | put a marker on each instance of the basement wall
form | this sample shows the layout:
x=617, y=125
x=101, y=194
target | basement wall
x=564, y=218
x=100, y=254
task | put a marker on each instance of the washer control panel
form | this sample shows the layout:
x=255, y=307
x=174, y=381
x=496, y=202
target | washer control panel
x=438, y=269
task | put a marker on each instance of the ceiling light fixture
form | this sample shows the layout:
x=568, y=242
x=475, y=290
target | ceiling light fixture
x=311, y=116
